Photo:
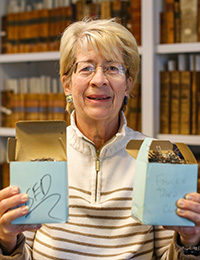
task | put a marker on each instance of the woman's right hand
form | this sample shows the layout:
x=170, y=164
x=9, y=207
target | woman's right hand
x=10, y=199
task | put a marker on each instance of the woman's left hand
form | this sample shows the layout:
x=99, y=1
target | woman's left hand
x=189, y=208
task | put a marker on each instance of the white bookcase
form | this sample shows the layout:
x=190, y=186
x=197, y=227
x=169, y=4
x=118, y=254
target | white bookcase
x=153, y=57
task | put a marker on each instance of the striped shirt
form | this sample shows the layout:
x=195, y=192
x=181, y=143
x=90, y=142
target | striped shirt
x=100, y=225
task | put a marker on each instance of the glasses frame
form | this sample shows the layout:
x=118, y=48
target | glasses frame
x=123, y=71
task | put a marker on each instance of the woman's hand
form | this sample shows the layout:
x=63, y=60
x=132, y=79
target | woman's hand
x=189, y=208
x=10, y=199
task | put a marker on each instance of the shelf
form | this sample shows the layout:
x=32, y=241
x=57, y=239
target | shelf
x=178, y=48
x=153, y=56
x=29, y=57
x=7, y=132
x=187, y=139
x=34, y=56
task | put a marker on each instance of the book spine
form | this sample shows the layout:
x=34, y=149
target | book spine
x=133, y=112
x=198, y=21
x=18, y=107
x=31, y=106
x=59, y=106
x=198, y=102
x=11, y=29
x=79, y=10
x=50, y=102
x=170, y=27
x=54, y=28
x=165, y=107
x=43, y=106
x=194, y=99
x=125, y=13
x=189, y=21
x=185, y=103
x=43, y=19
x=116, y=7
x=136, y=20
x=106, y=9
x=177, y=26
x=4, y=34
x=34, y=31
x=175, y=102
x=6, y=111
x=24, y=32
x=163, y=27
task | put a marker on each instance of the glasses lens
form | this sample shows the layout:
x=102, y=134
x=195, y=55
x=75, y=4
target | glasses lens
x=114, y=69
x=84, y=68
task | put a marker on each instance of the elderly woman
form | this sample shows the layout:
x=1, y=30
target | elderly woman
x=98, y=68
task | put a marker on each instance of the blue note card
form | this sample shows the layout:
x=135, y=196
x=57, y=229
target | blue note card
x=158, y=186
x=47, y=187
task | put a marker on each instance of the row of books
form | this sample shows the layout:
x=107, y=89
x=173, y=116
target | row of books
x=40, y=29
x=42, y=98
x=133, y=111
x=180, y=21
x=180, y=101
x=30, y=5
x=36, y=98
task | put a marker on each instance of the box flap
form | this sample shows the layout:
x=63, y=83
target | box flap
x=11, y=144
x=140, y=148
x=164, y=145
x=133, y=147
x=40, y=139
x=187, y=153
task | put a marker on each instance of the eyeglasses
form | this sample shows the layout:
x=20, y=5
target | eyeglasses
x=110, y=69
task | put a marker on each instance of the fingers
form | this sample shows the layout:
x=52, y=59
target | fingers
x=193, y=196
x=8, y=192
x=184, y=230
x=12, y=206
x=12, y=202
x=11, y=215
x=190, y=207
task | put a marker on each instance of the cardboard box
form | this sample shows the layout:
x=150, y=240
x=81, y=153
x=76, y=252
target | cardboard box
x=158, y=186
x=38, y=165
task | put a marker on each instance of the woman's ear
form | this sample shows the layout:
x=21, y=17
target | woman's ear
x=129, y=82
x=66, y=85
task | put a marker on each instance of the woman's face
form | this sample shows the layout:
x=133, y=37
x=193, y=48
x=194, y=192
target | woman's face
x=97, y=97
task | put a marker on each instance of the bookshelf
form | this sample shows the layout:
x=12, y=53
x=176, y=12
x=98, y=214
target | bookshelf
x=29, y=57
x=153, y=56
x=7, y=131
x=178, y=48
x=34, y=57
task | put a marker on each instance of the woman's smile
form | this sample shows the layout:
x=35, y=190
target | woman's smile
x=98, y=98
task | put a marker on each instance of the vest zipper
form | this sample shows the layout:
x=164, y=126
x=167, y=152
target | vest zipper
x=97, y=166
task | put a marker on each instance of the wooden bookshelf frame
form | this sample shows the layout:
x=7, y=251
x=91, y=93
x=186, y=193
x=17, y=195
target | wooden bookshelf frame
x=152, y=54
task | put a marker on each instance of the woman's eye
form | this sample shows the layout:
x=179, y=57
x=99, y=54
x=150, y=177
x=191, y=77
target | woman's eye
x=87, y=68
x=112, y=68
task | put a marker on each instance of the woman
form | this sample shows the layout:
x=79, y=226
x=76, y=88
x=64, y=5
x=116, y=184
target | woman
x=98, y=68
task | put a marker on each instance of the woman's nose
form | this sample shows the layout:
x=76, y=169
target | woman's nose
x=99, y=77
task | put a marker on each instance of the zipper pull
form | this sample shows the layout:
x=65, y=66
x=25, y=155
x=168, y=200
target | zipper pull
x=97, y=164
